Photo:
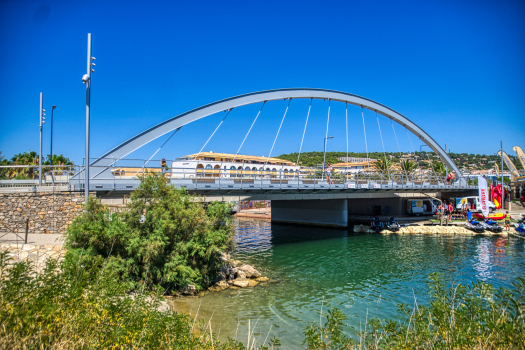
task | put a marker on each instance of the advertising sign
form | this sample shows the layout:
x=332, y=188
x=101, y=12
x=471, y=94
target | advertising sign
x=483, y=195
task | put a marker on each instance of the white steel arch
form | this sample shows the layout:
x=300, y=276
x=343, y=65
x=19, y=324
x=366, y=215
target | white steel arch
x=171, y=124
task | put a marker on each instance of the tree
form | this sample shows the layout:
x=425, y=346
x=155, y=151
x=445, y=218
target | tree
x=26, y=158
x=408, y=166
x=382, y=165
x=165, y=236
x=57, y=160
x=439, y=169
x=4, y=172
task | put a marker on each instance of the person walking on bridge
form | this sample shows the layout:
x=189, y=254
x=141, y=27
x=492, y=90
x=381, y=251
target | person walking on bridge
x=329, y=174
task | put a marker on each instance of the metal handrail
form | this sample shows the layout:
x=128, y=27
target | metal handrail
x=301, y=179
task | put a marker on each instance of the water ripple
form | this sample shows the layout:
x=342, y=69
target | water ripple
x=325, y=267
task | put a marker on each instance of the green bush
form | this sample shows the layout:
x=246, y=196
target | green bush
x=179, y=243
x=71, y=307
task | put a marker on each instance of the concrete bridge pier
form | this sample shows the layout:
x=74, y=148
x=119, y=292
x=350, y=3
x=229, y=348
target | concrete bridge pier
x=329, y=212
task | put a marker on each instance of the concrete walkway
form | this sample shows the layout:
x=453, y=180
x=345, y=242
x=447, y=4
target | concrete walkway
x=35, y=239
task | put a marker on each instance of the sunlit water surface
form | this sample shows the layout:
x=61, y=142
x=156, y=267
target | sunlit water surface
x=361, y=274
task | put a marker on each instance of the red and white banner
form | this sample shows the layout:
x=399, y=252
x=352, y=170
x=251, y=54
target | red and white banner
x=483, y=195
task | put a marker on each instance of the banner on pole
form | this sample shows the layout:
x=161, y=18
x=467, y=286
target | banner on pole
x=483, y=195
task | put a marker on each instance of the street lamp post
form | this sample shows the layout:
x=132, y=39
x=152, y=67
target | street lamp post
x=324, y=155
x=502, y=182
x=51, y=147
x=86, y=79
x=41, y=123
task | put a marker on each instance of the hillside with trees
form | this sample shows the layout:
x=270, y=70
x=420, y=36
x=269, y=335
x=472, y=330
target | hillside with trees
x=425, y=160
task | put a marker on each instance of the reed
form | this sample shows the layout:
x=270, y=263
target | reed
x=475, y=316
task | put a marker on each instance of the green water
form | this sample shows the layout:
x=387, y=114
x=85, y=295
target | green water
x=361, y=274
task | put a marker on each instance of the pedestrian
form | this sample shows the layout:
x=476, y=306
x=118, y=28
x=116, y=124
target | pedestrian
x=522, y=198
x=448, y=179
x=464, y=208
x=329, y=174
x=163, y=165
x=450, y=211
x=507, y=221
x=438, y=212
x=452, y=177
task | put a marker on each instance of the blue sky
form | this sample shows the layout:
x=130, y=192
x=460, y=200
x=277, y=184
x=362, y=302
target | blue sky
x=455, y=68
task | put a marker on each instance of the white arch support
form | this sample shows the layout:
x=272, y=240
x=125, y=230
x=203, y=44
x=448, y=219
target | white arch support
x=171, y=124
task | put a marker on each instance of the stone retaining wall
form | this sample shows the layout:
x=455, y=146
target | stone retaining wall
x=47, y=212
x=37, y=254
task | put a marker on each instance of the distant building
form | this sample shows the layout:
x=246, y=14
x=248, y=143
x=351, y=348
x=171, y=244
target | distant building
x=209, y=164
x=353, y=167
x=355, y=159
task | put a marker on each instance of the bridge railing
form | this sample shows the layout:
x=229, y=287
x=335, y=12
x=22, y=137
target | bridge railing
x=60, y=177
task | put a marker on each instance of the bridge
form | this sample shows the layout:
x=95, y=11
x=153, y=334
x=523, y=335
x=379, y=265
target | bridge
x=296, y=197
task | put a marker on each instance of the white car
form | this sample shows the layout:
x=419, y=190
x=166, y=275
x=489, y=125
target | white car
x=474, y=199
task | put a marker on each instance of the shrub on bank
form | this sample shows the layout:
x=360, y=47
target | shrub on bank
x=71, y=307
x=163, y=237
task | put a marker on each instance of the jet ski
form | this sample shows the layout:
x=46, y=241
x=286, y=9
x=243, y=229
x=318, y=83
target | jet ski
x=492, y=226
x=475, y=226
x=392, y=225
x=520, y=228
x=377, y=225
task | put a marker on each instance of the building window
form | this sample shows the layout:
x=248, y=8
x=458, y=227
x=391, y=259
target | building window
x=208, y=166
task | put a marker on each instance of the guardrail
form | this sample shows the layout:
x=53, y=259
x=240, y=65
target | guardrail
x=124, y=178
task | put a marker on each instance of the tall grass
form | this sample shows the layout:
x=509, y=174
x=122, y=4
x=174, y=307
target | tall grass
x=475, y=316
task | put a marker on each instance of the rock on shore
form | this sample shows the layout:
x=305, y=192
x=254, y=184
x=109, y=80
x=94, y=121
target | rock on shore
x=235, y=274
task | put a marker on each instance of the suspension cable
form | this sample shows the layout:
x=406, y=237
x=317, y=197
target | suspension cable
x=304, y=131
x=217, y=128
x=399, y=148
x=366, y=144
x=397, y=142
x=411, y=146
x=346, y=109
x=143, y=166
x=286, y=111
x=326, y=137
x=382, y=143
x=257, y=116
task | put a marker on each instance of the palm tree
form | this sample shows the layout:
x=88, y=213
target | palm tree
x=382, y=165
x=4, y=172
x=408, y=166
x=58, y=160
x=26, y=158
x=439, y=169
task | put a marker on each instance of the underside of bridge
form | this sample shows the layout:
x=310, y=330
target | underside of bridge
x=322, y=208
x=356, y=208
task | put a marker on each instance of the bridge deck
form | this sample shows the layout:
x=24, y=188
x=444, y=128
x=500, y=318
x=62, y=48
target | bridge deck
x=218, y=185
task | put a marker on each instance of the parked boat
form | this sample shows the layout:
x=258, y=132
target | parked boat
x=520, y=228
x=497, y=216
x=377, y=225
x=492, y=226
x=475, y=226
x=392, y=225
